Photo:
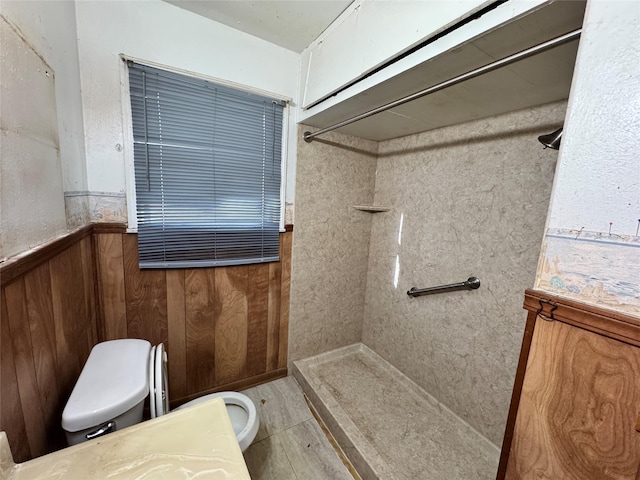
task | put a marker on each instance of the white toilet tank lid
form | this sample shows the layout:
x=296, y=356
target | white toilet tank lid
x=114, y=379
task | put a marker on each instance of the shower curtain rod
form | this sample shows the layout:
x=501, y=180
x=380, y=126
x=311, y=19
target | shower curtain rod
x=554, y=42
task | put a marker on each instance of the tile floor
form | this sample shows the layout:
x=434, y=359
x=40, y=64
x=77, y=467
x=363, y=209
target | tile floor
x=290, y=444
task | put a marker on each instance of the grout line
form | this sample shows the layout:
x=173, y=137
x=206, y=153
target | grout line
x=286, y=455
x=332, y=441
x=276, y=438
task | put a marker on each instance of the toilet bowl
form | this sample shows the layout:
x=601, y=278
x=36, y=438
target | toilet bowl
x=242, y=412
x=114, y=383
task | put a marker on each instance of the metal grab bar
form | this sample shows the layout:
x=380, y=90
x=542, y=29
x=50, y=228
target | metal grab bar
x=470, y=284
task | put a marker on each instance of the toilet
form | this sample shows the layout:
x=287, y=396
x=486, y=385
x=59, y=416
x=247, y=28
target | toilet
x=114, y=383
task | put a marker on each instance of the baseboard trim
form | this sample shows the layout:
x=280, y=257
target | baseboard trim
x=234, y=386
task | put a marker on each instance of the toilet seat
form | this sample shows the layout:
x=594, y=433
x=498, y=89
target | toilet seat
x=158, y=382
x=162, y=382
x=152, y=384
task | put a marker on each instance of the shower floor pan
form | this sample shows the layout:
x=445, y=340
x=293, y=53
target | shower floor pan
x=387, y=426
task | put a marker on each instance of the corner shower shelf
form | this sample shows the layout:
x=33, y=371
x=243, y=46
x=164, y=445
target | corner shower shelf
x=372, y=208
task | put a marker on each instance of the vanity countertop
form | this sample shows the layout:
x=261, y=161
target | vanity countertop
x=193, y=442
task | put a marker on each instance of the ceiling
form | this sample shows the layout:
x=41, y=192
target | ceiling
x=544, y=78
x=292, y=24
x=541, y=79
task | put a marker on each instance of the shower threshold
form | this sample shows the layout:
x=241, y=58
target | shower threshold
x=388, y=426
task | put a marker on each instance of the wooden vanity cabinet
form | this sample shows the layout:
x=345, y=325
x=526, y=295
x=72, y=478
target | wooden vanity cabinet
x=575, y=409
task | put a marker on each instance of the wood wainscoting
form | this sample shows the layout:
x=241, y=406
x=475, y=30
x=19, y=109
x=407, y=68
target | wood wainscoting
x=48, y=327
x=575, y=410
x=224, y=328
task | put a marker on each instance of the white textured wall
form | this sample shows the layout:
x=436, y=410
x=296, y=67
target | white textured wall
x=36, y=112
x=160, y=32
x=598, y=178
x=592, y=248
x=50, y=28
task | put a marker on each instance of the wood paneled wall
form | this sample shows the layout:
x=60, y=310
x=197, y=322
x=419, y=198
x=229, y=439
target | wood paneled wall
x=575, y=408
x=48, y=327
x=580, y=401
x=224, y=328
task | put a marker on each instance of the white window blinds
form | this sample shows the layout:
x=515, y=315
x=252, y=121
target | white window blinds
x=207, y=171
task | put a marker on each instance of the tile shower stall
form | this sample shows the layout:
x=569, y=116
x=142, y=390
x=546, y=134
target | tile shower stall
x=418, y=387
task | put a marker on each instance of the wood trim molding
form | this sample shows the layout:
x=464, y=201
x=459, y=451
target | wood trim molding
x=122, y=228
x=109, y=228
x=25, y=261
x=515, y=396
x=22, y=263
x=234, y=386
x=595, y=319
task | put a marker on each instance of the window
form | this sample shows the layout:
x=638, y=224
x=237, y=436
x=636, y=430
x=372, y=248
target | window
x=207, y=171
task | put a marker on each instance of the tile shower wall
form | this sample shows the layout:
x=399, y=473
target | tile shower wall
x=465, y=200
x=330, y=242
